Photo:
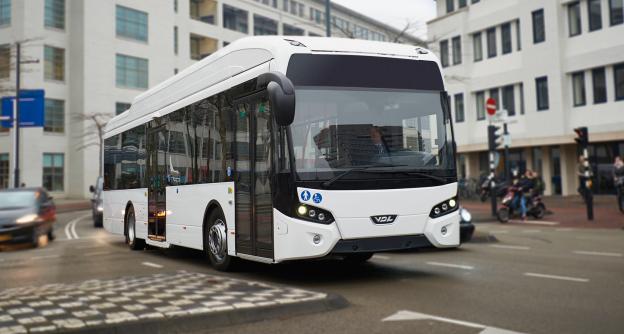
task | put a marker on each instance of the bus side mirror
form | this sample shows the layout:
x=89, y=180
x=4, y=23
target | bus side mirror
x=281, y=95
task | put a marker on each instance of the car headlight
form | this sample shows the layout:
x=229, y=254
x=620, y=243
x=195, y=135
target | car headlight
x=29, y=218
x=465, y=215
x=443, y=208
x=314, y=214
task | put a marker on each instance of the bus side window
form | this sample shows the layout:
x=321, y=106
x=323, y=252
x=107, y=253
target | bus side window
x=282, y=150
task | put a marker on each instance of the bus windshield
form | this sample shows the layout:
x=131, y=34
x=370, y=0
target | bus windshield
x=337, y=129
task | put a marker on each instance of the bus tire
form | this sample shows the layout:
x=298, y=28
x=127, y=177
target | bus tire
x=215, y=241
x=130, y=231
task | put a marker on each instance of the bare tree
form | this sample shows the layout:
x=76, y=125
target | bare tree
x=93, y=133
x=393, y=35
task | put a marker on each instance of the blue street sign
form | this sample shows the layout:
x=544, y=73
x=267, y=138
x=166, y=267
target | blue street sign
x=32, y=106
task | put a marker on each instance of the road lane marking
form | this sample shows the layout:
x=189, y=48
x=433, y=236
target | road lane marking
x=597, y=253
x=563, y=278
x=150, y=264
x=511, y=247
x=450, y=265
x=409, y=315
x=44, y=257
x=535, y=222
x=381, y=257
x=97, y=253
x=531, y=231
x=70, y=227
x=499, y=232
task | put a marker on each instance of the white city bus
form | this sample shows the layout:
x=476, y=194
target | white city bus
x=284, y=148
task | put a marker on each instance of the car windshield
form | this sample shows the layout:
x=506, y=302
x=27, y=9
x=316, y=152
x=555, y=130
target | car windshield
x=10, y=200
x=340, y=128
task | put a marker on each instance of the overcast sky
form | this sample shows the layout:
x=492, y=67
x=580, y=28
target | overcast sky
x=396, y=12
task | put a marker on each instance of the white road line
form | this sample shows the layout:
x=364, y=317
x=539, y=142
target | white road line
x=381, y=257
x=499, y=232
x=97, y=253
x=409, y=315
x=70, y=227
x=511, y=247
x=535, y=222
x=153, y=265
x=563, y=278
x=44, y=257
x=531, y=231
x=597, y=253
x=450, y=265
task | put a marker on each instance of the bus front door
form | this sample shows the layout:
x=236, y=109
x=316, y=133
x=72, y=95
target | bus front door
x=157, y=176
x=253, y=156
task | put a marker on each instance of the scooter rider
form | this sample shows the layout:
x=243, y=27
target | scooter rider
x=525, y=186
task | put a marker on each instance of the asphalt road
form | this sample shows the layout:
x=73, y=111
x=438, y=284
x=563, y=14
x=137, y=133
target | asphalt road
x=522, y=278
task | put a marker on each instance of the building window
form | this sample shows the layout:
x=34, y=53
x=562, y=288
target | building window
x=131, y=72
x=195, y=47
x=54, y=63
x=131, y=23
x=444, y=53
x=521, y=89
x=541, y=89
x=618, y=77
x=235, y=19
x=4, y=170
x=5, y=12
x=539, y=32
x=264, y=26
x=616, y=11
x=506, y=37
x=285, y=6
x=457, y=56
x=491, y=42
x=518, y=35
x=462, y=3
x=5, y=61
x=53, y=170
x=54, y=116
x=459, y=108
x=175, y=39
x=494, y=95
x=574, y=18
x=292, y=30
x=175, y=6
x=599, y=80
x=480, y=100
x=121, y=107
x=509, y=101
x=578, y=88
x=450, y=5
x=54, y=16
x=477, y=46
x=595, y=16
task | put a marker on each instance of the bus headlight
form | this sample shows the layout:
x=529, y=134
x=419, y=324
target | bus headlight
x=444, y=208
x=465, y=215
x=314, y=214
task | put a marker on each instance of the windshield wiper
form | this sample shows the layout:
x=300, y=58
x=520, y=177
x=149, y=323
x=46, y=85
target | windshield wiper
x=363, y=169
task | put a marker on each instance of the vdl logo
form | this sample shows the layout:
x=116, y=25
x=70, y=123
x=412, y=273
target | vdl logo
x=383, y=219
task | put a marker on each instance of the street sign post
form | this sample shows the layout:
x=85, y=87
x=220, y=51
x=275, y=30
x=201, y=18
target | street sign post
x=490, y=106
x=31, y=108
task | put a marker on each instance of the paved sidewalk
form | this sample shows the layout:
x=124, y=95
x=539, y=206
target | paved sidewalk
x=149, y=303
x=69, y=205
x=569, y=211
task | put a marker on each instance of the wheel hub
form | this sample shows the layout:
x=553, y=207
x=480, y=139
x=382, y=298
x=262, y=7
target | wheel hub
x=131, y=228
x=217, y=240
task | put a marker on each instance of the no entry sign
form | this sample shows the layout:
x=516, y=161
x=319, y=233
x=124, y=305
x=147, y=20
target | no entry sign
x=490, y=106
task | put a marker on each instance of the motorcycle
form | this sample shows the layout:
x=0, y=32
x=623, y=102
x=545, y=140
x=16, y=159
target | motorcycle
x=508, y=207
x=500, y=188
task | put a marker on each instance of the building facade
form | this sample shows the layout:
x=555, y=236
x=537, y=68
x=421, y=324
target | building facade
x=552, y=66
x=96, y=56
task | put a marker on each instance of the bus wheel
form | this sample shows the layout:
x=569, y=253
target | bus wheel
x=131, y=239
x=215, y=241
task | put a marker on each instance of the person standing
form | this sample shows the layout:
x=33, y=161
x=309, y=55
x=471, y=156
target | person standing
x=618, y=178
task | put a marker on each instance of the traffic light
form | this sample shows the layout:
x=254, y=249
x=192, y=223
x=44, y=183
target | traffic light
x=495, y=138
x=582, y=137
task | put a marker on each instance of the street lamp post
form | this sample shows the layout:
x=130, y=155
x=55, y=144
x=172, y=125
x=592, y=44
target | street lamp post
x=16, y=117
x=328, y=18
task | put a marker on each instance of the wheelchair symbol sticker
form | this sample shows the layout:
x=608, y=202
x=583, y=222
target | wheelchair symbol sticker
x=317, y=198
x=305, y=195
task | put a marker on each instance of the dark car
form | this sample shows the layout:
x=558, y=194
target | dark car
x=26, y=215
x=466, y=228
x=96, y=202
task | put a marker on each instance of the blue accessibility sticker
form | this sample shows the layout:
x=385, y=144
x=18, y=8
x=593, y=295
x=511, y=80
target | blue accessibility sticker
x=305, y=195
x=317, y=198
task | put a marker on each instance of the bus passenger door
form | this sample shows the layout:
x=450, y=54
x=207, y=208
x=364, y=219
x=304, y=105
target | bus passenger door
x=157, y=176
x=253, y=156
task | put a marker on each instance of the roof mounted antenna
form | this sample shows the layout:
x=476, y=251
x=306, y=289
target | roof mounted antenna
x=295, y=43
